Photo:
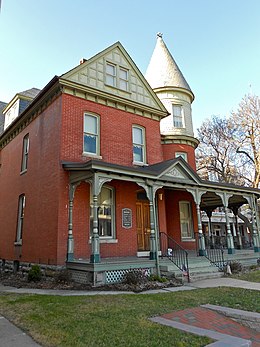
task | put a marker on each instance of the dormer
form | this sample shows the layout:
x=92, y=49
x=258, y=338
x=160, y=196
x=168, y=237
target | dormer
x=17, y=105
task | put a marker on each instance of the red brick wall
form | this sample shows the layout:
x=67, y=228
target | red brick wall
x=40, y=184
x=173, y=197
x=169, y=151
x=115, y=132
x=126, y=244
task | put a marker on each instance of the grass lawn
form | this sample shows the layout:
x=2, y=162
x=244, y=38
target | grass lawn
x=120, y=320
x=252, y=276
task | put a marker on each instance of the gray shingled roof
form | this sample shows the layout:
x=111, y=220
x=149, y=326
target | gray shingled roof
x=162, y=70
x=31, y=93
x=2, y=118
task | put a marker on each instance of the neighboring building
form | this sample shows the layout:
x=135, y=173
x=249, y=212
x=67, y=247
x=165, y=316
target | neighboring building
x=17, y=105
x=101, y=164
x=2, y=117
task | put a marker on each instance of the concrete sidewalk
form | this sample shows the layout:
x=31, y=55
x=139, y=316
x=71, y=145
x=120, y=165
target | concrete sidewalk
x=11, y=336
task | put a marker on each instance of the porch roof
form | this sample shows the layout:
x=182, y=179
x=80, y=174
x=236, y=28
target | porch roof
x=171, y=174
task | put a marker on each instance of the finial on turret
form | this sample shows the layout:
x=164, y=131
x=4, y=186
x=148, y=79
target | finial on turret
x=159, y=35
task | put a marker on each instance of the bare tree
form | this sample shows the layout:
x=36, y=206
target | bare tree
x=229, y=149
x=246, y=121
x=216, y=155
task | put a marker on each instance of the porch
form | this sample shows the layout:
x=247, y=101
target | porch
x=112, y=270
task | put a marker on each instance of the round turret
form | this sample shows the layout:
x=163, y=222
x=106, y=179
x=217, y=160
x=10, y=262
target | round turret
x=168, y=82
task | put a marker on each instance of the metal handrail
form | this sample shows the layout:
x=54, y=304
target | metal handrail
x=214, y=251
x=175, y=253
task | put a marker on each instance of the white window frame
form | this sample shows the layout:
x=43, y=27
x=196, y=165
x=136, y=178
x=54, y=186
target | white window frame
x=96, y=135
x=140, y=145
x=25, y=153
x=20, y=219
x=112, y=206
x=184, y=155
x=118, y=80
x=188, y=221
x=111, y=76
x=178, y=120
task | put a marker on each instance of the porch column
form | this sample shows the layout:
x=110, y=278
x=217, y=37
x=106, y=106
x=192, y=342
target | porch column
x=95, y=256
x=256, y=240
x=230, y=241
x=211, y=236
x=152, y=234
x=239, y=238
x=70, y=242
x=255, y=236
x=202, y=248
x=201, y=240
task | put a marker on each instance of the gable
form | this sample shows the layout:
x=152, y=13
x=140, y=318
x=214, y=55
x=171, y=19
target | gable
x=179, y=171
x=93, y=74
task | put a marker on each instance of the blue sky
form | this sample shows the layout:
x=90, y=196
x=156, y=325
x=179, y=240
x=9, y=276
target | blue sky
x=216, y=43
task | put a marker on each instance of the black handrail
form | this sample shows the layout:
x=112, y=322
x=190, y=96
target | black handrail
x=214, y=248
x=175, y=253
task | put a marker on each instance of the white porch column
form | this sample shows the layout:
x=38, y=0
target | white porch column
x=70, y=242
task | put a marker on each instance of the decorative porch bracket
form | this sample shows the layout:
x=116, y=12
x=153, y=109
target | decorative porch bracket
x=255, y=236
x=230, y=241
x=70, y=242
x=197, y=194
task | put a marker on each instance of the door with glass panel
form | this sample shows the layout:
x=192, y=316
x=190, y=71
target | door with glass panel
x=143, y=225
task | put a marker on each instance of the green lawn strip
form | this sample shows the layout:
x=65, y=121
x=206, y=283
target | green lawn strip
x=252, y=276
x=120, y=320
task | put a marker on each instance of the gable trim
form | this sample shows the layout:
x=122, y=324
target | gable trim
x=103, y=98
x=159, y=107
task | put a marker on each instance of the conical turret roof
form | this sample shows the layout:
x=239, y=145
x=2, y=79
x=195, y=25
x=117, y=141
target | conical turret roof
x=163, y=70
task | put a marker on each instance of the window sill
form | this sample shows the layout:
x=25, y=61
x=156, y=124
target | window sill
x=101, y=240
x=18, y=243
x=139, y=164
x=23, y=172
x=91, y=155
x=188, y=240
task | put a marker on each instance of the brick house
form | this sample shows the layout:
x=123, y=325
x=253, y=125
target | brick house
x=98, y=172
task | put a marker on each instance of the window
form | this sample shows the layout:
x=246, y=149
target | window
x=138, y=145
x=20, y=218
x=181, y=154
x=105, y=213
x=123, y=79
x=116, y=76
x=177, y=114
x=111, y=74
x=25, y=153
x=91, y=134
x=186, y=221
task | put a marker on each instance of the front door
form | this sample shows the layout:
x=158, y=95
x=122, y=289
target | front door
x=143, y=225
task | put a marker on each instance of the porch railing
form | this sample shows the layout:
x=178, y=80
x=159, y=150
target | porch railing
x=175, y=253
x=214, y=250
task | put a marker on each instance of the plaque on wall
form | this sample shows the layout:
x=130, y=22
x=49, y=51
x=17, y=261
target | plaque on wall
x=126, y=218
